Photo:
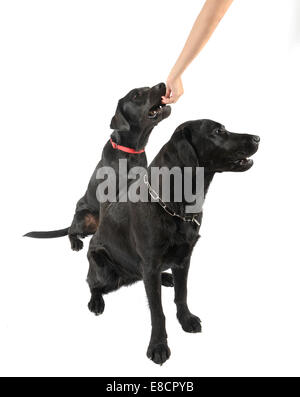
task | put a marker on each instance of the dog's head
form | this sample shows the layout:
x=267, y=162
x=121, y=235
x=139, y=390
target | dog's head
x=139, y=112
x=217, y=149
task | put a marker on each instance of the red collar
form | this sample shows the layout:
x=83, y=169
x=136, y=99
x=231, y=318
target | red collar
x=124, y=148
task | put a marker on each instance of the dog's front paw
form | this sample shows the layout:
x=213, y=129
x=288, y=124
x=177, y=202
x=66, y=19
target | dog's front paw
x=96, y=304
x=76, y=243
x=167, y=280
x=190, y=323
x=159, y=352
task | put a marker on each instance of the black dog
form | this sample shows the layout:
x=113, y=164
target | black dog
x=140, y=240
x=136, y=116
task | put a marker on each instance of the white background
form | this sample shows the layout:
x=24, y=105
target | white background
x=64, y=64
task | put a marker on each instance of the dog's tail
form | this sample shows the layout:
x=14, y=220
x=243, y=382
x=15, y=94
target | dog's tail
x=50, y=234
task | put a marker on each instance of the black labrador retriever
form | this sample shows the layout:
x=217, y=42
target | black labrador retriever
x=140, y=240
x=136, y=116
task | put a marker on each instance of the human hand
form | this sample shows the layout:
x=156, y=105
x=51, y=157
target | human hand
x=174, y=90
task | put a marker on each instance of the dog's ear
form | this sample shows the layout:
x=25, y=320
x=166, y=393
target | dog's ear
x=185, y=150
x=119, y=122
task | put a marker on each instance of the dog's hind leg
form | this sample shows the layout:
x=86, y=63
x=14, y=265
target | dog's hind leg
x=96, y=304
x=188, y=321
x=103, y=278
x=99, y=278
x=84, y=224
x=76, y=243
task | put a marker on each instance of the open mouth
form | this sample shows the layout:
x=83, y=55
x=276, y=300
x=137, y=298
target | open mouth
x=243, y=162
x=155, y=111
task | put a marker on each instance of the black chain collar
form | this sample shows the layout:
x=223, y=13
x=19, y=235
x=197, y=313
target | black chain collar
x=155, y=196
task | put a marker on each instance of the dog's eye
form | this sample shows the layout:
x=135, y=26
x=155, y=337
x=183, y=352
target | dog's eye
x=221, y=131
x=136, y=95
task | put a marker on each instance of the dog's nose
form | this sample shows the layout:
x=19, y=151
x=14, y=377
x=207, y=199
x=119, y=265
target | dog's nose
x=158, y=89
x=159, y=86
x=256, y=138
x=162, y=86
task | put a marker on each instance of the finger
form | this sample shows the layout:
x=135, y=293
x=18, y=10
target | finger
x=174, y=98
x=165, y=100
x=170, y=100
